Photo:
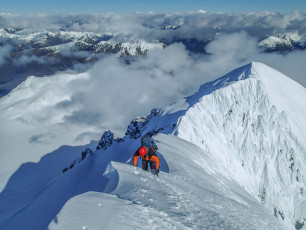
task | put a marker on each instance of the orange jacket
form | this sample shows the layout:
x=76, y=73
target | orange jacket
x=150, y=156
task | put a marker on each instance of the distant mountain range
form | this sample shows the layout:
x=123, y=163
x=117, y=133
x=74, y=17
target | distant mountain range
x=42, y=53
x=283, y=42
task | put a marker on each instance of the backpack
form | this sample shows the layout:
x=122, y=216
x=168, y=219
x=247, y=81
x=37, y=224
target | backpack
x=148, y=141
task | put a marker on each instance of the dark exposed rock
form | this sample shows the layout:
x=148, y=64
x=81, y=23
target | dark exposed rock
x=106, y=140
x=136, y=127
x=84, y=153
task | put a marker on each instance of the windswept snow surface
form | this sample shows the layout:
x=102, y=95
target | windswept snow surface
x=252, y=120
x=193, y=195
x=189, y=194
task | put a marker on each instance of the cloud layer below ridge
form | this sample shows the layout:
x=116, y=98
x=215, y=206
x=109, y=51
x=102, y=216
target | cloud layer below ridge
x=111, y=92
x=115, y=92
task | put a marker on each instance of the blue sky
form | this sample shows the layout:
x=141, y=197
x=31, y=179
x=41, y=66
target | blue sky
x=128, y=6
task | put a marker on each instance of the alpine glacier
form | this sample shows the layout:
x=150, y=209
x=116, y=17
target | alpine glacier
x=232, y=157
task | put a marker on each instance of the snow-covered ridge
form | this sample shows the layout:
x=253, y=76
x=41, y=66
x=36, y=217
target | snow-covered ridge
x=238, y=135
x=190, y=193
x=93, y=41
x=257, y=137
x=71, y=41
x=252, y=121
x=42, y=53
x=283, y=42
x=47, y=51
x=254, y=142
x=254, y=128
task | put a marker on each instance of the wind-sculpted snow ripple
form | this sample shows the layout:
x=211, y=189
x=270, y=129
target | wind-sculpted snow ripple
x=192, y=195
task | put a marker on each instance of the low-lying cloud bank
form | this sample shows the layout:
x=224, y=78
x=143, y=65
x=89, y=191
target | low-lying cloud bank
x=4, y=53
x=116, y=92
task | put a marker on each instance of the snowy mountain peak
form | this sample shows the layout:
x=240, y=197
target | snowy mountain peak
x=235, y=145
x=283, y=42
x=231, y=77
x=246, y=134
x=251, y=121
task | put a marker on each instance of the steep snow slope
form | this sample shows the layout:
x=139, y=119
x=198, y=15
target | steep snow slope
x=189, y=194
x=32, y=203
x=286, y=94
x=192, y=195
x=32, y=123
x=252, y=119
x=255, y=129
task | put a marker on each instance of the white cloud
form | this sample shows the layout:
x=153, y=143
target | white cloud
x=26, y=59
x=4, y=53
x=232, y=49
x=291, y=64
x=117, y=92
x=193, y=24
x=236, y=49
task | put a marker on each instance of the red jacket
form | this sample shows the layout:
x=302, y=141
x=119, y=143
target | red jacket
x=150, y=156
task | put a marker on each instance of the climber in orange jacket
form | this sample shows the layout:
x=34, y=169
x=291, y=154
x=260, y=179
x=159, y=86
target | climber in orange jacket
x=148, y=155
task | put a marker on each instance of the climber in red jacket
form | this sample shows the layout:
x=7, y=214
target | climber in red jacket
x=148, y=155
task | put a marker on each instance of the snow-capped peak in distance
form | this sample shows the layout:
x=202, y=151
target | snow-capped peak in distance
x=281, y=42
x=59, y=50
